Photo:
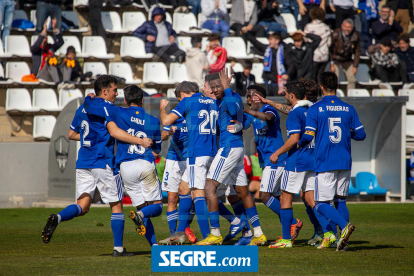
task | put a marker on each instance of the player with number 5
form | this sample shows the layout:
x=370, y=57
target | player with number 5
x=333, y=123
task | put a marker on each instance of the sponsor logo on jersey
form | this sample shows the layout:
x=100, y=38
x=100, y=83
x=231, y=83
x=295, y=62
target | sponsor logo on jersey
x=61, y=152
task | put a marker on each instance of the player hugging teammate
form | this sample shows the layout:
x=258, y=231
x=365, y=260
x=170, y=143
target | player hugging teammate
x=314, y=161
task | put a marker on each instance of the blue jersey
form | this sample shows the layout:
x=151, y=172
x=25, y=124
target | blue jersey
x=331, y=121
x=268, y=137
x=201, y=116
x=303, y=159
x=136, y=122
x=97, y=145
x=230, y=108
x=179, y=143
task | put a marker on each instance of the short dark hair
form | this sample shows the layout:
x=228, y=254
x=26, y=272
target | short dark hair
x=196, y=88
x=133, y=95
x=312, y=89
x=103, y=81
x=186, y=87
x=317, y=13
x=296, y=88
x=195, y=40
x=213, y=37
x=71, y=49
x=215, y=76
x=385, y=7
x=247, y=64
x=259, y=89
x=329, y=81
x=275, y=36
x=404, y=37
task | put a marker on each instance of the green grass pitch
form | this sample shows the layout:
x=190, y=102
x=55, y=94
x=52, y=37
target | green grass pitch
x=383, y=243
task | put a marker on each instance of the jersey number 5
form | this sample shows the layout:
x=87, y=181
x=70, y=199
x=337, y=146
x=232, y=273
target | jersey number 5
x=337, y=136
x=136, y=148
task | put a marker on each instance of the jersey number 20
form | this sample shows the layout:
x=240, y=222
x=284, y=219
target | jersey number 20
x=136, y=148
x=208, y=118
x=337, y=136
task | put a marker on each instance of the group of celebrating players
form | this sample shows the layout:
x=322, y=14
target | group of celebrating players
x=314, y=161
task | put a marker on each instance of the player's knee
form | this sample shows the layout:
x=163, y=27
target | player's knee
x=85, y=210
x=233, y=198
x=264, y=197
x=172, y=199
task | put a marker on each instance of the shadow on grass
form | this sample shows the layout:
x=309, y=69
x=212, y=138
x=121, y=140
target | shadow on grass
x=367, y=247
x=137, y=253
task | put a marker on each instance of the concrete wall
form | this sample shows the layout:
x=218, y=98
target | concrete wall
x=23, y=173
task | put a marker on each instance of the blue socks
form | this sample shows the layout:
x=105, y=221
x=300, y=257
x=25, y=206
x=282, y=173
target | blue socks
x=202, y=215
x=286, y=216
x=253, y=216
x=191, y=216
x=340, y=205
x=330, y=213
x=150, y=233
x=326, y=227
x=312, y=218
x=153, y=210
x=240, y=212
x=214, y=219
x=117, y=226
x=70, y=212
x=172, y=218
x=224, y=212
x=274, y=205
x=183, y=212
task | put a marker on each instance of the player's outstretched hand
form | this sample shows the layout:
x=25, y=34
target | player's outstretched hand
x=146, y=142
x=224, y=78
x=273, y=158
x=172, y=130
x=164, y=103
x=92, y=95
x=259, y=99
x=236, y=127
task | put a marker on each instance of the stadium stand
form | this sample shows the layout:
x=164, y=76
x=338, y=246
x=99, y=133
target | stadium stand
x=132, y=20
x=368, y=184
x=95, y=46
x=236, y=48
x=112, y=22
x=358, y=93
x=156, y=73
x=16, y=70
x=43, y=126
x=382, y=93
x=133, y=47
x=18, y=99
x=97, y=68
x=17, y=45
x=178, y=72
x=410, y=94
x=123, y=70
x=68, y=95
x=45, y=99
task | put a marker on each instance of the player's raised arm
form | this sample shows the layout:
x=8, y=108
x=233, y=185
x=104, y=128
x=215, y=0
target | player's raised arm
x=91, y=108
x=123, y=136
x=168, y=119
x=264, y=116
x=310, y=129
x=167, y=131
x=280, y=107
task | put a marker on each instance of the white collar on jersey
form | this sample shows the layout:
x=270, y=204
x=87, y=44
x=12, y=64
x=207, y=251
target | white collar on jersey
x=303, y=103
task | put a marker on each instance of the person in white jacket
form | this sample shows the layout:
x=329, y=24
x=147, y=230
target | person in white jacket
x=196, y=62
x=213, y=12
x=317, y=27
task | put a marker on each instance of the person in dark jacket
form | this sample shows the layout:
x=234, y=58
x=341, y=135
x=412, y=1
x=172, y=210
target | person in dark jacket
x=274, y=71
x=46, y=8
x=403, y=10
x=95, y=20
x=159, y=37
x=299, y=55
x=266, y=17
x=243, y=79
x=43, y=54
x=406, y=55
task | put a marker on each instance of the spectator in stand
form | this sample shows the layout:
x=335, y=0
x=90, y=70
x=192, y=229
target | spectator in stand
x=321, y=54
x=180, y=6
x=46, y=8
x=71, y=71
x=386, y=66
x=95, y=21
x=216, y=55
x=243, y=79
x=345, y=51
x=299, y=55
x=406, y=56
x=289, y=6
x=274, y=71
x=196, y=6
x=159, y=37
x=6, y=17
x=243, y=18
x=213, y=12
x=43, y=54
x=403, y=11
x=268, y=12
x=385, y=28
x=196, y=62
x=343, y=9
x=368, y=14
x=305, y=6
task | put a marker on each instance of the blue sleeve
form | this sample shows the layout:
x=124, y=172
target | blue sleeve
x=293, y=123
x=246, y=121
x=75, y=123
x=231, y=102
x=311, y=119
x=156, y=144
x=359, y=135
x=306, y=139
x=356, y=123
x=141, y=32
x=111, y=113
x=166, y=128
x=273, y=111
x=92, y=108
x=181, y=109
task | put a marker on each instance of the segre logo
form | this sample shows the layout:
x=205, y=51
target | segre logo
x=204, y=259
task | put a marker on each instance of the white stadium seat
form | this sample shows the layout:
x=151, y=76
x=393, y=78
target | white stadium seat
x=2, y=75
x=358, y=93
x=132, y=20
x=43, y=126
x=409, y=123
x=34, y=38
x=156, y=72
x=70, y=41
x=257, y=71
x=95, y=46
x=150, y=91
x=382, y=93
x=97, y=68
x=111, y=22
x=171, y=93
x=236, y=48
x=89, y=90
x=123, y=70
x=178, y=72
x=121, y=94
x=184, y=42
x=183, y=22
x=236, y=68
x=80, y=3
x=340, y=93
x=410, y=94
x=2, y=53
x=45, y=99
x=68, y=95
x=362, y=76
x=73, y=17
x=17, y=45
x=133, y=47
x=16, y=70
x=18, y=99
x=290, y=22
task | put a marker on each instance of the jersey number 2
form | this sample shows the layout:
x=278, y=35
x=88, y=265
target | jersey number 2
x=85, y=127
x=337, y=136
x=136, y=148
